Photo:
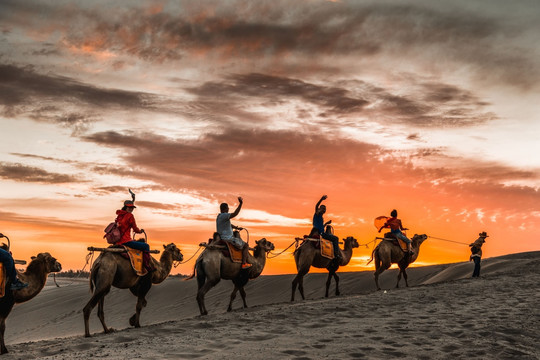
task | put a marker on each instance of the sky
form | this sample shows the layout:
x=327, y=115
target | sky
x=427, y=107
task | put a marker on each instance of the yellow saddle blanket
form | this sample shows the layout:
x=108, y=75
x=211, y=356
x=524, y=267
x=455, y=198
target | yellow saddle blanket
x=236, y=255
x=136, y=258
x=402, y=245
x=327, y=249
x=3, y=278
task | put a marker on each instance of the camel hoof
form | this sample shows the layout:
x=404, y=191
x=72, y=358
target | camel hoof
x=109, y=330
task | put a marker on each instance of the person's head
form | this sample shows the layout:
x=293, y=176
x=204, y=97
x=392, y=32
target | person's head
x=322, y=209
x=129, y=206
x=393, y=213
x=224, y=207
x=483, y=235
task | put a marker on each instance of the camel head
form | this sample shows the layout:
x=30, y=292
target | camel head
x=51, y=264
x=176, y=253
x=418, y=239
x=265, y=245
x=354, y=242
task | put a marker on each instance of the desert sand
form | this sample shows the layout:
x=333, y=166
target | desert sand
x=444, y=314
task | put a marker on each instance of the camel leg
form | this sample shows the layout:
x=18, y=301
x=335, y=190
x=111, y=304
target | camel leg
x=379, y=269
x=336, y=279
x=101, y=315
x=299, y=281
x=328, y=282
x=3, y=348
x=94, y=300
x=243, y=294
x=202, y=291
x=405, y=277
x=140, y=290
x=398, y=278
x=233, y=296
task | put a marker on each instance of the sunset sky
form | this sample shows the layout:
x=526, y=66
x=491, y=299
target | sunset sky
x=428, y=107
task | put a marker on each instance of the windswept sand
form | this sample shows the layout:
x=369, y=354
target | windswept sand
x=444, y=314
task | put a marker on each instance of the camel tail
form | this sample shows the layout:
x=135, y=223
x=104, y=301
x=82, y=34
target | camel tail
x=194, y=272
x=372, y=256
x=93, y=276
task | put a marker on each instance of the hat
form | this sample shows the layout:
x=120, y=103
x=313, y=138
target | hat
x=129, y=203
x=483, y=234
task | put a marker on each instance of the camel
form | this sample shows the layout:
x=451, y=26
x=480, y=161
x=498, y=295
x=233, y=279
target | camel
x=307, y=256
x=112, y=269
x=35, y=275
x=212, y=266
x=388, y=253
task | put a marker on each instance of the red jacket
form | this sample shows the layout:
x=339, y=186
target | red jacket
x=394, y=224
x=126, y=222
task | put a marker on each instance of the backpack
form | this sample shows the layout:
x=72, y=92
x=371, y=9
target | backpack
x=113, y=233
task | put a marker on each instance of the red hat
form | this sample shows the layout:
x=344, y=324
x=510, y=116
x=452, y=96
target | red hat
x=129, y=203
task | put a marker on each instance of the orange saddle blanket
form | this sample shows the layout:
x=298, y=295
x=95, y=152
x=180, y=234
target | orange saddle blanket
x=136, y=258
x=327, y=249
x=235, y=254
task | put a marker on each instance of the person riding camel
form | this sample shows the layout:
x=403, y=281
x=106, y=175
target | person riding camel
x=225, y=230
x=320, y=225
x=9, y=266
x=395, y=226
x=126, y=222
x=476, y=252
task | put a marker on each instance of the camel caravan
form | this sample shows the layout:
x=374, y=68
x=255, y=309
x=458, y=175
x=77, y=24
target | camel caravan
x=127, y=262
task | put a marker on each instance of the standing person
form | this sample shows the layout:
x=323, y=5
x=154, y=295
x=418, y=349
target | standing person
x=9, y=266
x=476, y=252
x=395, y=226
x=225, y=230
x=320, y=225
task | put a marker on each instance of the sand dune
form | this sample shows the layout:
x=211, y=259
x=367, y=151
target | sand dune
x=444, y=314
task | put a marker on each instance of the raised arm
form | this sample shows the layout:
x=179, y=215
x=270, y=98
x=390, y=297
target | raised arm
x=240, y=201
x=324, y=197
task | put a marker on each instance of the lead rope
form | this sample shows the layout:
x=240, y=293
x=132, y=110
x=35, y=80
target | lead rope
x=452, y=241
x=89, y=260
x=176, y=263
x=276, y=255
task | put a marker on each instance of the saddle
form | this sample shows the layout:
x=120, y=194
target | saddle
x=326, y=247
x=229, y=251
x=136, y=258
x=391, y=237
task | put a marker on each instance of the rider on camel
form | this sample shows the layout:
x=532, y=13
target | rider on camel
x=320, y=225
x=126, y=222
x=225, y=230
x=395, y=228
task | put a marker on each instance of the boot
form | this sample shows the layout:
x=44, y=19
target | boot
x=147, y=263
x=18, y=285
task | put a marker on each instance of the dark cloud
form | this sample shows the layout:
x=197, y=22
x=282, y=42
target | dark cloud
x=280, y=89
x=301, y=33
x=20, y=172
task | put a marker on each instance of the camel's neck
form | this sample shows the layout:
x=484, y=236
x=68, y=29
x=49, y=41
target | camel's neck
x=259, y=261
x=347, y=253
x=163, y=267
x=36, y=277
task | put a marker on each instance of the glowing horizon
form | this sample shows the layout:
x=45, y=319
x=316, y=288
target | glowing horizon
x=413, y=106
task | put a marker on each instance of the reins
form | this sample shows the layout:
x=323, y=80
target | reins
x=185, y=261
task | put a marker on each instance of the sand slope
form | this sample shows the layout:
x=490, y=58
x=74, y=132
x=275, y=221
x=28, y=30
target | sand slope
x=444, y=314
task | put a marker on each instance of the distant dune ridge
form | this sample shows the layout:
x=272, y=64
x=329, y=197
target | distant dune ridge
x=443, y=314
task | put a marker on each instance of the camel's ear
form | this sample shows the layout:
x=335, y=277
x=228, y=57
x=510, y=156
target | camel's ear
x=164, y=247
x=33, y=257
